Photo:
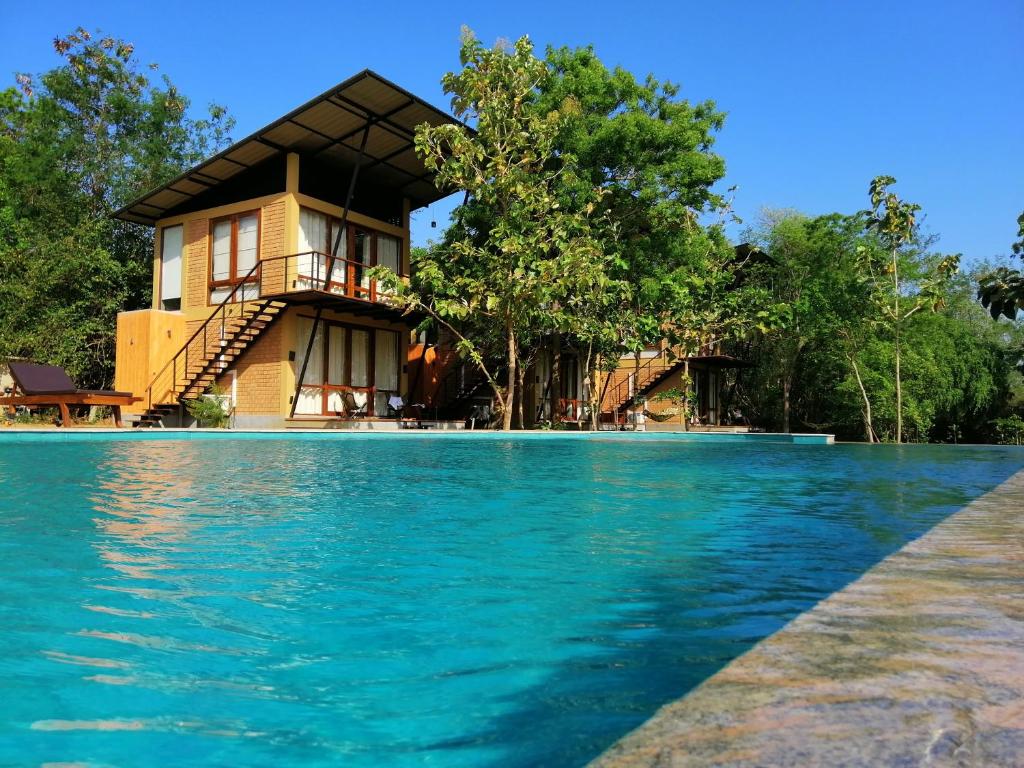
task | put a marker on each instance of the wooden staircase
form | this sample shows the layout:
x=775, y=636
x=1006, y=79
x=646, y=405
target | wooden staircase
x=632, y=383
x=209, y=353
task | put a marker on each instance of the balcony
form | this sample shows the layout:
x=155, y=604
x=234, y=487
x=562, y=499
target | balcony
x=318, y=279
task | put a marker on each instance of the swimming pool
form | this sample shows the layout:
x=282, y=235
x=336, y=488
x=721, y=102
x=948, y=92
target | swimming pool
x=456, y=602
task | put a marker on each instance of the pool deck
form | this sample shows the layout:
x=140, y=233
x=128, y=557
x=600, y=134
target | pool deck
x=920, y=662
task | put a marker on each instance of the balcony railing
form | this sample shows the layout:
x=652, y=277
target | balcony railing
x=306, y=272
x=317, y=272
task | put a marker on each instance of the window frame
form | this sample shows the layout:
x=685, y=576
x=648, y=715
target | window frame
x=348, y=257
x=234, y=278
x=327, y=388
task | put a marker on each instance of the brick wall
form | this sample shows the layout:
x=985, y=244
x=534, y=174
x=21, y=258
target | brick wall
x=259, y=369
x=259, y=374
x=272, y=243
x=197, y=263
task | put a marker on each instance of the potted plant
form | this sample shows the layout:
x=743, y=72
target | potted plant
x=212, y=409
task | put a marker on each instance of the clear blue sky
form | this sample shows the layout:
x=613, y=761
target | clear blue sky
x=820, y=96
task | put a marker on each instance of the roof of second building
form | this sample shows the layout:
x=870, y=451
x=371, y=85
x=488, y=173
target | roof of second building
x=329, y=127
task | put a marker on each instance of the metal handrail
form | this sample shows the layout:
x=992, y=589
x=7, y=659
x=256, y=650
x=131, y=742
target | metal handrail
x=639, y=378
x=221, y=309
x=220, y=312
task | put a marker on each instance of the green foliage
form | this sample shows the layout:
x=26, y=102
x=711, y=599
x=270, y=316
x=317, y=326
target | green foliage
x=1009, y=430
x=1002, y=290
x=839, y=350
x=76, y=143
x=900, y=278
x=586, y=194
x=523, y=249
x=209, y=410
x=650, y=151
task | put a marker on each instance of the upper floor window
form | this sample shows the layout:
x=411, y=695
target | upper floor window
x=234, y=252
x=358, y=249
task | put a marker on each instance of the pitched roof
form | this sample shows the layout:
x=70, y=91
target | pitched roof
x=330, y=127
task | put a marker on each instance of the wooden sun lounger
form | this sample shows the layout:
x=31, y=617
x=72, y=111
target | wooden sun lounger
x=51, y=385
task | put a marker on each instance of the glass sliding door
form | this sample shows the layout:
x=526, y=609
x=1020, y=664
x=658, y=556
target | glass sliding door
x=336, y=345
x=348, y=366
x=362, y=258
x=386, y=370
x=389, y=254
x=311, y=395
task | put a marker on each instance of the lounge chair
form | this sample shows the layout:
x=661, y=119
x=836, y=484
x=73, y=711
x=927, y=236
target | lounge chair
x=354, y=403
x=51, y=385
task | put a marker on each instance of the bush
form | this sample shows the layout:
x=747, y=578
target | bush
x=209, y=410
x=1009, y=430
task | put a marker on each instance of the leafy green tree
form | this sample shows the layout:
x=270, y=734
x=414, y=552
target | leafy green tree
x=76, y=143
x=897, y=295
x=958, y=367
x=1001, y=290
x=809, y=269
x=525, y=243
x=650, y=151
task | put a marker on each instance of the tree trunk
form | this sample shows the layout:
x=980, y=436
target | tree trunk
x=869, y=428
x=506, y=416
x=787, y=385
x=590, y=386
x=556, y=377
x=898, y=319
x=899, y=392
x=521, y=379
x=686, y=395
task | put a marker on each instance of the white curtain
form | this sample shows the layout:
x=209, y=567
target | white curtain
x=248, y=231
x=388, y=252
x=385, y=369
x=312, y=269
x=385, y=361
x=221, y=250
x=359, y=376
x=310, y=401
x=335, y=365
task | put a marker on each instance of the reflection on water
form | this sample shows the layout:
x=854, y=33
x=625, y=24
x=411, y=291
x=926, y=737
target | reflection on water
x=449, y=602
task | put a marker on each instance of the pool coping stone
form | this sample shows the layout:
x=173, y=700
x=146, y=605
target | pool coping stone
x=919, y=662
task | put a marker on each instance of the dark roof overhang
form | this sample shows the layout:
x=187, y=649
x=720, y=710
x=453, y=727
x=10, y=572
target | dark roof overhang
x=329, y=127
x=720, y=361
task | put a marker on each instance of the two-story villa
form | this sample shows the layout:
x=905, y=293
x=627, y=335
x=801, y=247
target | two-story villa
x=270, y=238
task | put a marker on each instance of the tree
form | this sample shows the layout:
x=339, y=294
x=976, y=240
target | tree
x=1002, y=290
x=524, y=243
x=808, y=269
x=76, y=143
x=885, y=271
x=650, y=151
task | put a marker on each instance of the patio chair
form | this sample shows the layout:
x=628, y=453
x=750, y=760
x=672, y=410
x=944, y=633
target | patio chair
x=355, y=404
x=51, y=385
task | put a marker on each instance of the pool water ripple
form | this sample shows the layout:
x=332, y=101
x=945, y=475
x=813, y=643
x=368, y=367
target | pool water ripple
x=429, y=602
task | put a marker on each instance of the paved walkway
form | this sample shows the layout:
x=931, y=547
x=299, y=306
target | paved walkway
x=920, y=662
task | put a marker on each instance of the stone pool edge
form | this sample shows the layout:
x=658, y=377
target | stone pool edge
x=920, y=661
x=15, y=435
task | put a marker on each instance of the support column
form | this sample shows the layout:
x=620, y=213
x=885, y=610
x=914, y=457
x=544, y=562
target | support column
x=330, y=265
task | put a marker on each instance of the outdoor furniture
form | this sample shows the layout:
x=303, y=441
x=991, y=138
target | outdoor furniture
x=355, y=403
x=51, y=385
x=396, y=406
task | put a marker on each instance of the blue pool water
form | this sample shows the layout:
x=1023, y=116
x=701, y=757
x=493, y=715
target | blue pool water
x=450, y=602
